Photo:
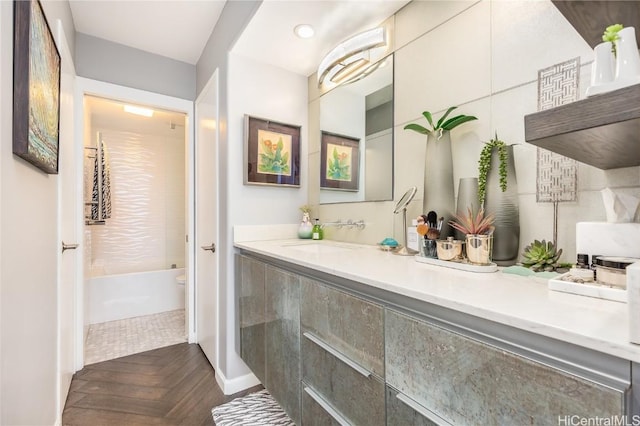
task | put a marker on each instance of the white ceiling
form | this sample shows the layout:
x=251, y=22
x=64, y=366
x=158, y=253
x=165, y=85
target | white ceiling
x=269, y=37
x=179, y=29
x=110, y=113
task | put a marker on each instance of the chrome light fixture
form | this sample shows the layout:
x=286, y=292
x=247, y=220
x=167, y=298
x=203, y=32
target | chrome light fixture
x=352, y=59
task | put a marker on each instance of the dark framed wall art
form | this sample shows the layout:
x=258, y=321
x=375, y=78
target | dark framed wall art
x=339, y=162
x=36, y=88
x=271, y=153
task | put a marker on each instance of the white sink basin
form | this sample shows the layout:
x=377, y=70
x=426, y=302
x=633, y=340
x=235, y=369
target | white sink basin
x=318, y=248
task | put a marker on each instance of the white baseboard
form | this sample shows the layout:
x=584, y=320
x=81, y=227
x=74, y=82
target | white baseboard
x=229, y=387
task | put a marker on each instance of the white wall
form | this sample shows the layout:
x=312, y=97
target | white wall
x=262, y=91
x=28, y=269
x=115, y=63
x=489, y=56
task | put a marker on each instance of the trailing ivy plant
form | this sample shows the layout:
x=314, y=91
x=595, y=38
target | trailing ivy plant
x=484, y=165
x=441, y=124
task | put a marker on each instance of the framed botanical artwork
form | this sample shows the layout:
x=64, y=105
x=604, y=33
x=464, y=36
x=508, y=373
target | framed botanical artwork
x=339, y=162
x=36, y=88
x=271, y=153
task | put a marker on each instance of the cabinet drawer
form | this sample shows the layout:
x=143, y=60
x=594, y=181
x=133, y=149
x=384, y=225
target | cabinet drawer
x=282, y=337
x=349, y=324
x=359, y=398
x=402, y=412
x=252, y=320
x=469, y=382
x=314, y=414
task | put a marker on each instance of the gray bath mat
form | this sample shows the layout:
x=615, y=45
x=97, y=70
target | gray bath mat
x=255, y=409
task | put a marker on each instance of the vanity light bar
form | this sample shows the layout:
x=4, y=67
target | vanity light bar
x=344, y=51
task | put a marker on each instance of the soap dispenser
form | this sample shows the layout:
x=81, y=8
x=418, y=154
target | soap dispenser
x=316, y=232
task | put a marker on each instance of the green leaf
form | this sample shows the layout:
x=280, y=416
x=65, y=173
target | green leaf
x=417, y=128
x=335, y=154
x=456, y=121
x=280, y=145
x=285, y=158
x=429, y=118
x=444, y=116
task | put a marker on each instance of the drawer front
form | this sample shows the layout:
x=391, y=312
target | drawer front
x=401, y=413
x=252, y=320
x=469, y=382
x=349, y=324
x=358, y=398
x=282, y=336
x=313, y=414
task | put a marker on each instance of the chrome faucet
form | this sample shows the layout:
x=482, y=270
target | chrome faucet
x=360, y=224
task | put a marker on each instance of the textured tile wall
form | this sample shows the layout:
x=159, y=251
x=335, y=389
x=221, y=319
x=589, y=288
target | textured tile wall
x=146, y=230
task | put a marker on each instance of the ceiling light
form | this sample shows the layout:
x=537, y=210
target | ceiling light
x=342, y=56
x=138, y=110
x=304, y=31
x=349, y=70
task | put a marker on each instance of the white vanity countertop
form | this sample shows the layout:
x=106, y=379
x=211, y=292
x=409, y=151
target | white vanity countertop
x=522, y=302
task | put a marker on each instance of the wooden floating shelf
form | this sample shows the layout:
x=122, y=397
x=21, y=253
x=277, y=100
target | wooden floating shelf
x=602, y=131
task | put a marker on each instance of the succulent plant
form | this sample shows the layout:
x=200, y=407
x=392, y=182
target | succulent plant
x=541, y=256
x=473, y=223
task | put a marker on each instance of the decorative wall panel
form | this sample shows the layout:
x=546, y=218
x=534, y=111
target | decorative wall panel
x=557, y=175
x=147, y=226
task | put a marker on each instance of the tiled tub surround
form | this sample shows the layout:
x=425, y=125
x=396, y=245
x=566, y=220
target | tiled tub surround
x=503, y=346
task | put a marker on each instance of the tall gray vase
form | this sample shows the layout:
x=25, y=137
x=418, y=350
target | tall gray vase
x=504, y=205
x=467, y=199
x=438, y=180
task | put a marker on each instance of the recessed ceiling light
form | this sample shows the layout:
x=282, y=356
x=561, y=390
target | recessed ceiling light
x=138, y=110
x=304, y=31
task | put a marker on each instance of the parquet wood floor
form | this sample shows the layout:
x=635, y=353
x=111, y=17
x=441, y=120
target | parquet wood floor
x=174, y=385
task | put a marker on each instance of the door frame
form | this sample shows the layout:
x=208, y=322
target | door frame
x=85, y=86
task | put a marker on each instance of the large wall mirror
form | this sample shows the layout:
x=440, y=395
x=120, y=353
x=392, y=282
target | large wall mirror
x=356, y=122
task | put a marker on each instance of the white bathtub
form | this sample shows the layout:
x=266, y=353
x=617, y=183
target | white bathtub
x=114, y=297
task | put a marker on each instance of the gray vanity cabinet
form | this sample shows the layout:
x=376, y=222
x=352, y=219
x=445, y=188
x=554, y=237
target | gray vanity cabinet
x=282, y=337
x=252, y=314
x=342, y=346
x=269, y=305
x=468, y=382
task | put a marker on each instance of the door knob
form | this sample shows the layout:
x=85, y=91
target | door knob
x=212, y=247
x=69, y=246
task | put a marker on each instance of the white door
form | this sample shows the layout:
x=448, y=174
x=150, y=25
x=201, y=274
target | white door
x=69, y=181
x=206, y=260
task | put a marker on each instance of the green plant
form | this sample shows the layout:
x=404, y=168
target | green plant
x=541, y=256
x=484, y=165
x=339, y=166
x=611, y=34
x=305, y=209
x=273, y=159
x=441, y=125
x=473, y=223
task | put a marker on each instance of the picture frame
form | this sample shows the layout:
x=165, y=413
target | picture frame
x=271, y=152
x=36, y=88
x=339, y=162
